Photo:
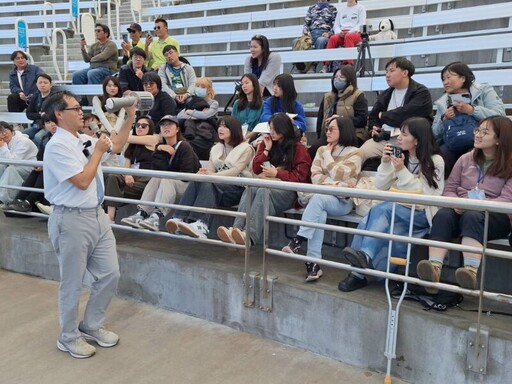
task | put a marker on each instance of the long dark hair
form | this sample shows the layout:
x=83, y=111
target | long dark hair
x=421, y=129
x=501, y=165
x=105, y=95
x=285, y=82
x=350, y=75
x=281, y=154
x=234, y=127
x=265, y=51
x=257, y=99
x=348, y=136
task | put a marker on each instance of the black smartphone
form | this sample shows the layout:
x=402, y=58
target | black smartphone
x=396, y=151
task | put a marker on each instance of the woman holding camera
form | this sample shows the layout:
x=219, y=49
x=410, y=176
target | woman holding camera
x=414, y=166
x=485, y=173
x=463, y=104
x=336, y=164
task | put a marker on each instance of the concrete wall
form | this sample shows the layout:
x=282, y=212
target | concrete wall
x=206, y=282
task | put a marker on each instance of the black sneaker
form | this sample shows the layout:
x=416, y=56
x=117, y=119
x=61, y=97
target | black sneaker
x=313, y=272
x=21, y=206
x=293, y=246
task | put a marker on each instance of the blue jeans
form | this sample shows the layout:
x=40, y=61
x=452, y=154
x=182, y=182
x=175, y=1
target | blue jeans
x=35, y=134
x=379, y=220
x=91, y=75
x=318, y=41
x=317, y=210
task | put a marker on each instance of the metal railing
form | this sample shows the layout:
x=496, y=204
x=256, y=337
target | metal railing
x=396, y=198
x=53, y=48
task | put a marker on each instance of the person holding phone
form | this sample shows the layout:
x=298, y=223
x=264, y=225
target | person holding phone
x=289, y=161
x=156, y=41
x=463, y=98
x=135, y=34
x=420, y=170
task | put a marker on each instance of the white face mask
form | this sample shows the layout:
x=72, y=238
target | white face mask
x=201, y=92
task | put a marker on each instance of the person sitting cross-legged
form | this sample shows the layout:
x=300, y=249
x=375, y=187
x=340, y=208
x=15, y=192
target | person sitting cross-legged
x=336, y=164
x=173, y=154
x=232, y=156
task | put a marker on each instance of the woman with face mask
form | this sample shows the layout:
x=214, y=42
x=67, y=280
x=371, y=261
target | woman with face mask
x=199, y=118
x=345, y=100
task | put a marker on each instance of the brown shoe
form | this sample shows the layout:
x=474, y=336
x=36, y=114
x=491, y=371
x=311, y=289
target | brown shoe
x=429, y=272
x=466, y=277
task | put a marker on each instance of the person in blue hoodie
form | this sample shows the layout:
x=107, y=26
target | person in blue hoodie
x=285, y=100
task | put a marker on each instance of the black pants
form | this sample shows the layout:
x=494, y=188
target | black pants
x=447, y=224
x=34, y=180
x=15, y=104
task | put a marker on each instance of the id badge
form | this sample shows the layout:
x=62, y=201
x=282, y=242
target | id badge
x=476, y=194
x=135, y=166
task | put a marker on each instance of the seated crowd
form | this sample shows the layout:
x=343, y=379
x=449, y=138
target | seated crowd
x=464, y=151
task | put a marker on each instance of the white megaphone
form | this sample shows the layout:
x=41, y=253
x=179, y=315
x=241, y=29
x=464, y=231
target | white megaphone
x=144, y=100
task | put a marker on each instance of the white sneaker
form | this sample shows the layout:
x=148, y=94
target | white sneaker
x=133, y=220
x=197, y=229
x=172, y=225
x=47, y=209
x=78, y=348
x=152, y=223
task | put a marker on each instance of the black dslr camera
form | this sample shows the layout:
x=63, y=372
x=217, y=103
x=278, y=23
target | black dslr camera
x=382, y=136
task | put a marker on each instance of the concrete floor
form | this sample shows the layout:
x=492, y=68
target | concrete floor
x=157, y=346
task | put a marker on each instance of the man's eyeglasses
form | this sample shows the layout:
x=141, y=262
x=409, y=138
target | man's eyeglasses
x=78, y=108
x=142, y=125
x=4, y=131
x=131, y=31
x=480, y=132
x=98, y=30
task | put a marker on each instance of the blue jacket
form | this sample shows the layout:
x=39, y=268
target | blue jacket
x=28, y=79
x=299, y=121
x=484, y=99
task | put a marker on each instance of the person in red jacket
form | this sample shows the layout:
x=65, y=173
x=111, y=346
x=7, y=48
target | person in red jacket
x=279, y=157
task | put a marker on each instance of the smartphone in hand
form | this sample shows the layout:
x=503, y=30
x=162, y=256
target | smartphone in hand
x=396, y=151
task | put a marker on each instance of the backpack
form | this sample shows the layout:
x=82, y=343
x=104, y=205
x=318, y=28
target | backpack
x=303, y=43
x=440, y=301
x=458, y=133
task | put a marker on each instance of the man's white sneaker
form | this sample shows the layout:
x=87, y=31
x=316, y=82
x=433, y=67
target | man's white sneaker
x=197, y=229
x=102, y=337
x=47, y=209
x=78, y=348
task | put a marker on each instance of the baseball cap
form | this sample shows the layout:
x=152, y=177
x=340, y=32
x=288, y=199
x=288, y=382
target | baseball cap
x=134, y=27
x=172, y=118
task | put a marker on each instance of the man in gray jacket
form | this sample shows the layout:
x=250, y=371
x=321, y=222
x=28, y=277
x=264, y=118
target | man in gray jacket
x=178, y=78
x=102, y=57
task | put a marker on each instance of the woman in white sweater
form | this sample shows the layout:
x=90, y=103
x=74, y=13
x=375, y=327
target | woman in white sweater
x=336, y=164
x=418, y=169
x=230, y=157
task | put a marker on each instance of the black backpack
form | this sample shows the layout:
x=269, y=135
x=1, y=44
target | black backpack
x=440, y=301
